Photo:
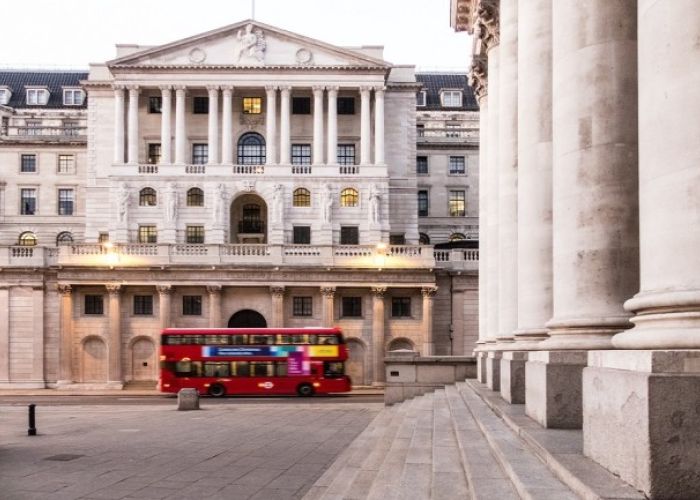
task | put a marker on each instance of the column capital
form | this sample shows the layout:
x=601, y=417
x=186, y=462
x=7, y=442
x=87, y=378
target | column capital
x=478, y=76
x=378, y=291
x=270, y=88
x=212, y=88
x=379, y=90
x=318, y=89
x=133, y=88
x=113, y=288
x=165, y=88
x=277, y=291
x=180, y=88
x=118, y=86
x=328, y=291
x=332, y=89
x=227, y=88
x=164, y=289
x=285, y=88
x=365, y=90
x=429, y=291
x=214, y=289
x=64, y=288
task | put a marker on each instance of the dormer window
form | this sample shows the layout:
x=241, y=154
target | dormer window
x=451, y=98
x=5, y=95
x=37, y=97
x=421, y=98
x=73, y=97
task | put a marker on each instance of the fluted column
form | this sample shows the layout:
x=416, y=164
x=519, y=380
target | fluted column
x=271, y=124
x=118, y=124
x=114, y=347
x=133, y=141
x=428, y=338
x=165, y=124
x=378, y=333
x=164, y=296
x=332, y=150
x=328, y=293
x=365, y=145
x=214, y=292
x=227, y=125
x=318, y=125
x=594, y=183
x=534, y=171
x=379, y=126
x=180, y=127
x=285, y=145
x=38, y=347
x=277, y=293
x=213, y=129
x=5, y=335
x=65, y=344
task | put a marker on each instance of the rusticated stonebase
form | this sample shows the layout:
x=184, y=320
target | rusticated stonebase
x=513, y=376
x=481, y=366
x=493, y=370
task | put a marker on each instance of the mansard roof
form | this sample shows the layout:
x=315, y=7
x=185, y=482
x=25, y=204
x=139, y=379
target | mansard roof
x=55, y=81
x=433, y=83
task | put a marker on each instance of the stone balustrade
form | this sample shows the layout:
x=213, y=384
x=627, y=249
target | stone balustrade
x=227, y=169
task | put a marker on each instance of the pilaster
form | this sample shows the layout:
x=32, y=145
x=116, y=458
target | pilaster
x=378, y=340
x=271, y=124
x=318, y=125
x=277, y=293
x=428, y=338
x=214, y=292
x=328, y=293
x=65, y=345
x=115, y=378
x=213, y=125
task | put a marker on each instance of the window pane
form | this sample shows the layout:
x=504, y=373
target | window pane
x=457, y=165
x=66, y=164
x=148, y=234
x=349, y=197
x=251, y=149
x=200, y=154
x=252, y=105
x=143, y=305
x=352, y=306
x=301, y=154
x=421, y=164
x=28, y=201
x=301, y=197
x=28, y=163
x=400, y=307
x=200, y=105
x=194, y=234
x=457, y=204
x=65, y=202
x=154, y=153
x=346, y=154
x=302, y=306
x=301, y=105
x=147, y=197
x=349, y=235
x=422, y=203
x=302, y=235
x=195, y=197
x=94, y=304
x=155, y=104
x=346, y=105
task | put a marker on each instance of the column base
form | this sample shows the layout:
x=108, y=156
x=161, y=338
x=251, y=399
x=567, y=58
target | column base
x=553, y=388
x=641, y=415
x=529, y=339
x=22, y=384
x=513, y=376
x=481, y=366
x=493, y=370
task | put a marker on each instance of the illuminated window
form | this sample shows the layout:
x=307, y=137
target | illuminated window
x=148, y=234
x=301, y=197
x=457, y=204
x=27, y=239
x=251, y=149
x=349, y=197
x=147, y=197
x=195, y=197
x=194, y=234
x=252, y=105
x=154, y=152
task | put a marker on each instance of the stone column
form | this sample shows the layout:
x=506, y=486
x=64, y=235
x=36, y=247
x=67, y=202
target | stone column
x=164, y=296
x=328, y=293
x=5, y=335
x=214, y=292
x=227, y=125
x=427, y=327
x=65, y=342
x=318, y=125
x=277, y=293
x=38, y=347
x=213, y=128
x=133, y=140
x=285, y=145
x=271, y=124
x=379, y=125
x=378, y=334
x=165, y=123
x=332, y=150
x=114, y=345
x=365, y=145
x=180, y=128
x=118, y=124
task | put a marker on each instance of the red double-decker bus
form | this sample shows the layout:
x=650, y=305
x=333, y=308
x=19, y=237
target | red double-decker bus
x=221, y=361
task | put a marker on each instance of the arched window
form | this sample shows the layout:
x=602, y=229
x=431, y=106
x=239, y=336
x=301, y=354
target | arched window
x=251, y=149
x=27, y=239
x=147, y=197
x=64, y=238
x=195, y=197
x=251, y=220
x=457, y=237
x=349, y=197
x=302, y=197
x=423, y=239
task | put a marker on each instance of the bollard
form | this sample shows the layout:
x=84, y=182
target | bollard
x=188, y=399
x=32, y=421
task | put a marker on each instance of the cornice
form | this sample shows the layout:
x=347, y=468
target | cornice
x=235, y=68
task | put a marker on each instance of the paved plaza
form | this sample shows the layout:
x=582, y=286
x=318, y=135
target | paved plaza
x=226, y=451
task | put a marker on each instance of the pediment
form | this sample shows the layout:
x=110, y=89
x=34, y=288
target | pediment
x=245, y=44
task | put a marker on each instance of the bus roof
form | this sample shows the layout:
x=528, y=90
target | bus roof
x=252, y=331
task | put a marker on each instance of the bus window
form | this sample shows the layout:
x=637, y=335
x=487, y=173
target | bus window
x=333, y=369
x=313, y=339
x=284, y=339
x=328, y=339
x=240, y=369
x=262, y=369
x=262, y=339
x=238, y=339
x=281, y=369
x=216, y=369
x=218, y=339
x=188, y=369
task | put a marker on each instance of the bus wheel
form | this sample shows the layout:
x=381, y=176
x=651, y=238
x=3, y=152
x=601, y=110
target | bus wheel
x=305, y=390
x=217, y=390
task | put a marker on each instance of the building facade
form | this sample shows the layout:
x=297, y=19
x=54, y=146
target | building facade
x=246, y=176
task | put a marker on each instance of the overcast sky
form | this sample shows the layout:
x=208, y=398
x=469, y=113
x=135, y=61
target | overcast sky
x=73, y=33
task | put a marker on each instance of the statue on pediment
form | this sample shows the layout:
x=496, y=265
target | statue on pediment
x=251, y=44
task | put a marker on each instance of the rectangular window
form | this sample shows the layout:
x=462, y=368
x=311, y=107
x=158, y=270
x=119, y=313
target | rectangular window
x=456, y=165
x=148, y=234
x=301, y=306
x=65, y=202
x=301, y=105
x=346, y=154
x=349, y=235
x=28, y=164
x=301, y=154
x=154, y=151
x=37, y=97
x=351, y=307
x=420, y=130
x=102, y=238
x=143, y=305
x=200, y=154
x=421, y=98
x=94, y=304
x=346, y=105
x=194, y=234
x=401, y=307
x=66, y=164
x=191, y=305
x=155, y=104
x=73, y=97
x=252, y=105
x=5, y=96
x=422, y=165
x=27, y=201
x=457, y=204
x=302, y=235
x=200, y=105
x=397, y=239
x=422, y=203
x=451, y=98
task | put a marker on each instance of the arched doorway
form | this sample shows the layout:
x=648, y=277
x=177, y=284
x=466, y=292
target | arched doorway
x=143, y=360
x=247, y=318
x=249, y=219
x=401, y=344
x=94, y=360
x=356, y=364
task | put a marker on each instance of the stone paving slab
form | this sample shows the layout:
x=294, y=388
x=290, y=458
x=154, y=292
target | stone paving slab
x=270, y=451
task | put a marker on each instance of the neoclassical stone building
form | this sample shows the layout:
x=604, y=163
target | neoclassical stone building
x=243, y=176
x=590, y=224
